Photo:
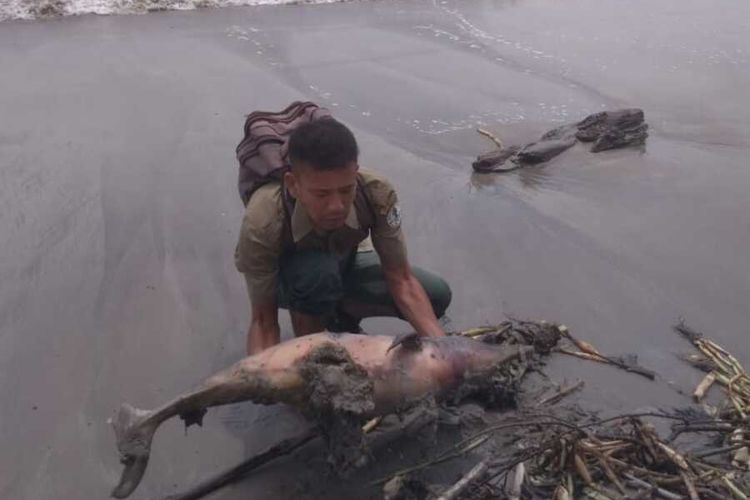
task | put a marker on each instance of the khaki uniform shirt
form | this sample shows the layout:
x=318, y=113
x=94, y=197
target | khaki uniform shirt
x=261, y=240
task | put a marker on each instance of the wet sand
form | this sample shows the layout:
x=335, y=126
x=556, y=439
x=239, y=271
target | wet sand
x=119, y=212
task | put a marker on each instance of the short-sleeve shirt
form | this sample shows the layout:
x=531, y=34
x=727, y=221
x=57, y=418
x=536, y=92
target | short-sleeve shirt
x=262, y=238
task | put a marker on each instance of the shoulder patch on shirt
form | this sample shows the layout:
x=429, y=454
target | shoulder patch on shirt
x=393, y=218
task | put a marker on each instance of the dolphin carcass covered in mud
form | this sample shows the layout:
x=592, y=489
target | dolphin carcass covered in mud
x=339, y=380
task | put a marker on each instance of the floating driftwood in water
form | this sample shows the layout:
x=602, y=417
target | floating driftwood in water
x=495, y=161
x=606, y=130
x=543, y=150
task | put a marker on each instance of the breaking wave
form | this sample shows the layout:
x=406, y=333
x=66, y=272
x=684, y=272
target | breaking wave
x=40, y=9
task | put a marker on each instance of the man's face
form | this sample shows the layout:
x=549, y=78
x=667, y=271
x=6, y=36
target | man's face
x=326, y=195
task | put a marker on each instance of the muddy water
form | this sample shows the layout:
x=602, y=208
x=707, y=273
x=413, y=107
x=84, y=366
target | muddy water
x=118, y=209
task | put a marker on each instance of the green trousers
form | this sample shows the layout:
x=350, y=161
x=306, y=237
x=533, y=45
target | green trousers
x=315, y=282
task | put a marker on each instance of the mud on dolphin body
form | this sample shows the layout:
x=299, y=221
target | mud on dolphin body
x=339, y=396
x=336, y=379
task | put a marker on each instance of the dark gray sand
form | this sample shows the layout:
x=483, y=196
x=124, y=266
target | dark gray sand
x=119, y=212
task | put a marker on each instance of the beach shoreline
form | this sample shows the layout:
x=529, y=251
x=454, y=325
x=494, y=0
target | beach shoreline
x=119, y=211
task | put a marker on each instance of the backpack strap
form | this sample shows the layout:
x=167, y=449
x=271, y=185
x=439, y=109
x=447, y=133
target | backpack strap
x=362, y=204
x=288, y=203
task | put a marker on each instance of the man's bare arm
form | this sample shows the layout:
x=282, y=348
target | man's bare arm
x=412, y=300
x=264, y=327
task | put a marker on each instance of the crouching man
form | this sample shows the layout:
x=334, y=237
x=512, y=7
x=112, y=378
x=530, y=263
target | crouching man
x=306, y=245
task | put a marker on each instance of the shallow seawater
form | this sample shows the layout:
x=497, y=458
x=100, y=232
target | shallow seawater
x=46, y=9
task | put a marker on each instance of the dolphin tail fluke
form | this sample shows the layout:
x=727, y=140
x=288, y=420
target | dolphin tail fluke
x=134, y=432
x=135, y=467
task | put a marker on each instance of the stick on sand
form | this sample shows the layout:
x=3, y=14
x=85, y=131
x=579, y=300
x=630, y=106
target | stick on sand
x=236, y=473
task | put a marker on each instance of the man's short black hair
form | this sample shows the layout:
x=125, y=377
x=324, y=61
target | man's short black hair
x=324, y=144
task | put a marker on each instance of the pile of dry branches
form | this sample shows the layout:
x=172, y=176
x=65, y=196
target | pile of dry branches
x=731, y=416
x=623, y=456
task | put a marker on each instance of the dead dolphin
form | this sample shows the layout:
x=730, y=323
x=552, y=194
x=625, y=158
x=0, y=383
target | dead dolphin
x=353, y=373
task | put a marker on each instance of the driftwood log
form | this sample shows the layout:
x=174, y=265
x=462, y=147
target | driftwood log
x=606, y=130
